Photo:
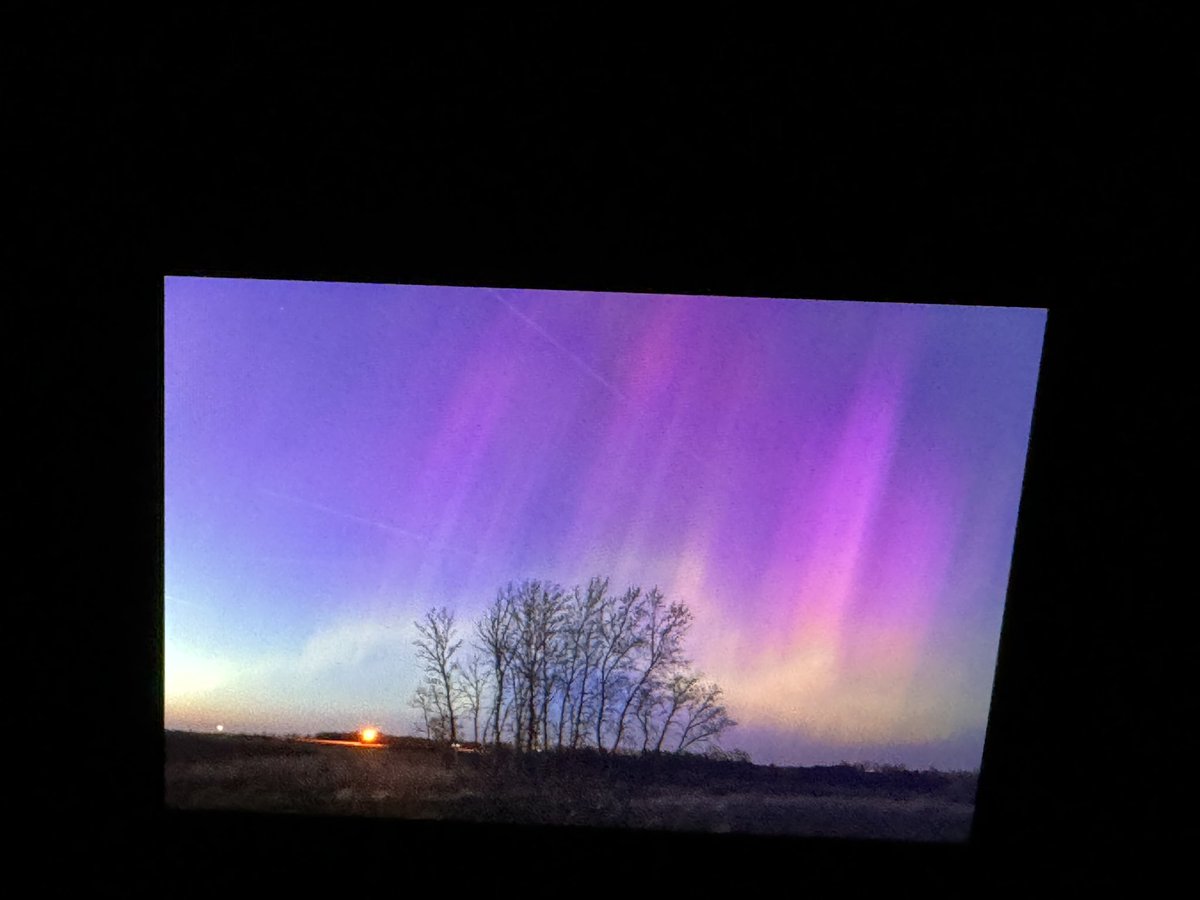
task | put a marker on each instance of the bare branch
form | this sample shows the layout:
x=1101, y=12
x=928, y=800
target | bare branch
x=436, y=648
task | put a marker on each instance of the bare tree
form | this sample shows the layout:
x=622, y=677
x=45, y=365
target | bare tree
x=494, y=634
x=679, y=689
x=517, y=706
x=433, y=722
x=659, y=647
x=704, y=717
x=436, y=648
x=547, y=624
x=619, y=636
x=566, y=656
x=649, y=704
x=583, y=629
x=565, y=668
x=537, y=611
x=422, y=702
x=472, y=686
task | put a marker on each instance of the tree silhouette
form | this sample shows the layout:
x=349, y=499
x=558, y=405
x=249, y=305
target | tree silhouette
x=571, y=669
x=704, y=715
x=659, y=647
x=618, y=632
x=472, y=687
x=579, y=649
x=436, y=648
x=433, y=722
x=494, y=637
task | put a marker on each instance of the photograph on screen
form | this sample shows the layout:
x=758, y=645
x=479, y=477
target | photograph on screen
x=570, y=558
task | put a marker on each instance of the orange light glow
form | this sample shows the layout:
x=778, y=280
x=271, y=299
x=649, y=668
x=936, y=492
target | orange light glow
x=369, y=735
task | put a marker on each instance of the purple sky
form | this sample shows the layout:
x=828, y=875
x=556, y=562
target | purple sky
x=831, y=486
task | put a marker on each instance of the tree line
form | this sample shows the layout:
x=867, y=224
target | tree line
x=545, y=667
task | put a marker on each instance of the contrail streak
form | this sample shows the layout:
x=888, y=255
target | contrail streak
x=613, y=389
x=383, y=526
x=609, y=386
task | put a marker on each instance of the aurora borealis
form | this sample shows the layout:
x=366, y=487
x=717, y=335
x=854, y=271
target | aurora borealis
x=832, y=487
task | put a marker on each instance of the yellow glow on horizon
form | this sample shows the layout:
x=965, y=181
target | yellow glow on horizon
x=189, y=674
x=369, y=735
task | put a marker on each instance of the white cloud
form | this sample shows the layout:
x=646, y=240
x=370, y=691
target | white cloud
x=349, y=643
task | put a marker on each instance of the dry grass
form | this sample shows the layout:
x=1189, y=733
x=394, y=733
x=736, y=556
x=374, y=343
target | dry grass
x=330, y=780
x=277, y=776
x=831, y=815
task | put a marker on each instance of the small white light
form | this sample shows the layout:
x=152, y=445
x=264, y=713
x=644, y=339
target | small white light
x=220, y=728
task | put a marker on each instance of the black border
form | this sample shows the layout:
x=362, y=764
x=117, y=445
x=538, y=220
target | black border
x=1010, y=166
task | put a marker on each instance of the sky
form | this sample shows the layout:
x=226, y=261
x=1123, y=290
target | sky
x=832, y=487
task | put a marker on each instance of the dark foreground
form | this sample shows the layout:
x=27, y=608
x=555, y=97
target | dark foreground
x=417, y=780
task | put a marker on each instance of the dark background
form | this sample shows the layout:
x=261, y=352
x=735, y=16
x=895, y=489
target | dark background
x=999, y=161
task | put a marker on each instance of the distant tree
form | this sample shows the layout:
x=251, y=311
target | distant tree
x=537, y=610
x=619, y=626
x=571, y=668
x=680, y=689
x=550, y=611
x=738, y=756
x=435, y=649
x=704, y=718
x=517, y=706
x=578, y=657
x=647, y=708
x=472, y=686
x=433, y=723
x=658, y=647
x=494, y=636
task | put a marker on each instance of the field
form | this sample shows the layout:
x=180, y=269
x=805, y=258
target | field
x=417, y=780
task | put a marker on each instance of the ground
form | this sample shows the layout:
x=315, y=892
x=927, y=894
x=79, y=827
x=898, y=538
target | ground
x=422, y=781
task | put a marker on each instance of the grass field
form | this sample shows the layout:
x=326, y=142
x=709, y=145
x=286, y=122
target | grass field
x=414, y=779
